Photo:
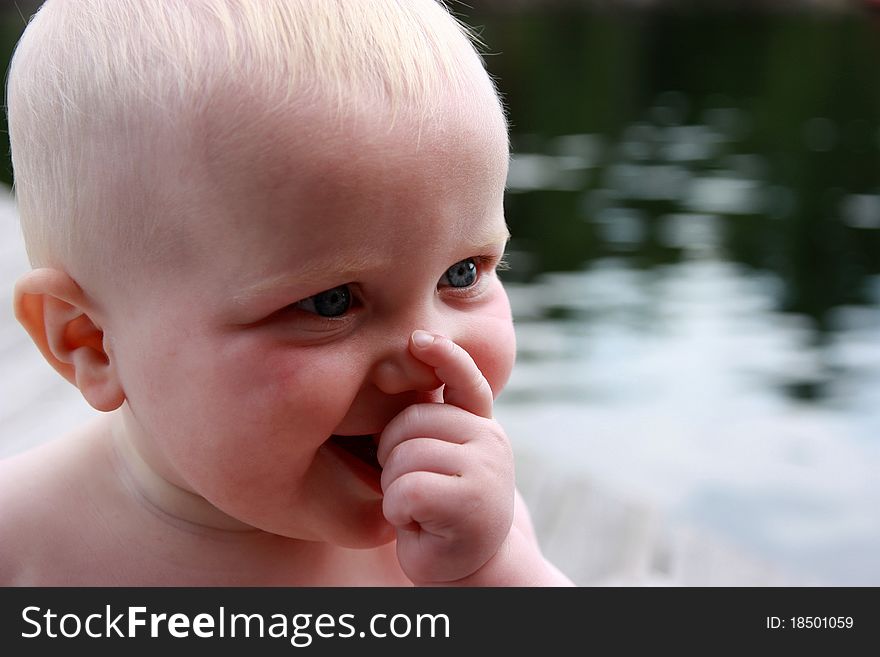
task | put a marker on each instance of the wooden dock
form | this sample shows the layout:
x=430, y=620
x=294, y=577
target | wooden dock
x=604, y=537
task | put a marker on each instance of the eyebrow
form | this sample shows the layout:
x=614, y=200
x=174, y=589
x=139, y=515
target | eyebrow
x=502, y=237
x=346, y=266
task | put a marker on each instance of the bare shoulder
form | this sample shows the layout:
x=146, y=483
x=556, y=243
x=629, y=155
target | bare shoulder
x=20, y=485
x=42, y=505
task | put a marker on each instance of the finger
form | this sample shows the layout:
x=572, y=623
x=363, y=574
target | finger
x=425, y=509
x=439, y=421
x=427, y=500
x=423, y=455
x=465, y=385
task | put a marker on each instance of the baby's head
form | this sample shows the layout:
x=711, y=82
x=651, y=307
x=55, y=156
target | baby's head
x=123, y=112
x=238, y=213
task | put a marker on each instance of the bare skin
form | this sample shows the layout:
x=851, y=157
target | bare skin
x=100, y=530
x=74, y=514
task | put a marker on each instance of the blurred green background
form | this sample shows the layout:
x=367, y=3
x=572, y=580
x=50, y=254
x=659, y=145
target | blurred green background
x=780, y=109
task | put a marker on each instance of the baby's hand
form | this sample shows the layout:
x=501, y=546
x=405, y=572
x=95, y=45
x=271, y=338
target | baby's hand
x=447, y=472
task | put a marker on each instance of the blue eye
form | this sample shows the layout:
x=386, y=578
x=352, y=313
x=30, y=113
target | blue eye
x=462, y=274
x=330, y=303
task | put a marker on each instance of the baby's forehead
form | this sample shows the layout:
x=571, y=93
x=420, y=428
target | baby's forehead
x=275, y=142
x=300, y=157
x=127, y=117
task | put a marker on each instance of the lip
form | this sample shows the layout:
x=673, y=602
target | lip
x=362, y=470
x=372, y=434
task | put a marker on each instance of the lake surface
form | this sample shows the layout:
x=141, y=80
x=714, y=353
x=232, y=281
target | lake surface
x=695, y=275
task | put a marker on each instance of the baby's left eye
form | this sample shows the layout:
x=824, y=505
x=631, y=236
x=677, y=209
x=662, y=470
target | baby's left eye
x=461, y=274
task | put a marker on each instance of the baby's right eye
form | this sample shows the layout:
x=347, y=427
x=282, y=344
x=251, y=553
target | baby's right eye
x=329, y=303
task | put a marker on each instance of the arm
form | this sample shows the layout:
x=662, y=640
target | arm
x=519, y=561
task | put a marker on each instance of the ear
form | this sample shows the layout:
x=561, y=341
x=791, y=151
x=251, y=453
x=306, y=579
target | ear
x=60, y=320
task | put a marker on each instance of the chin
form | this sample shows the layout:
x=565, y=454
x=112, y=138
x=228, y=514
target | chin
x=364, y=530
x=370, y=532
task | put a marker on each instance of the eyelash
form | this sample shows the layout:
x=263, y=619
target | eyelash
x=485, y=264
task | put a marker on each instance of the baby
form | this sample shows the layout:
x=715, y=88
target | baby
x=265, y=237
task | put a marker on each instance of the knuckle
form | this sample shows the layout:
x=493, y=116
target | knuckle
x=477, y=381
x=412, y=491
x=449, y=346
x=406, y=420
x=496, y=436
x=413, y=418
x=461, y=356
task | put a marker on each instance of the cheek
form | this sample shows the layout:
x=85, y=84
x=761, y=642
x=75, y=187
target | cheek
x=278, y=389
x=191, y=389
x=311, y=389
x=492, y=344
x=500, y=354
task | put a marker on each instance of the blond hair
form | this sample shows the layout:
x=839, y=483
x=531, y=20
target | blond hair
x=98, y=88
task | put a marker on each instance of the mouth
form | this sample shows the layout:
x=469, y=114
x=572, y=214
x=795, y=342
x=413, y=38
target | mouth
x=364, y=448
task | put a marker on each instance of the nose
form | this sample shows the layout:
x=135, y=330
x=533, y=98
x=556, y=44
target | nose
x=397, y=371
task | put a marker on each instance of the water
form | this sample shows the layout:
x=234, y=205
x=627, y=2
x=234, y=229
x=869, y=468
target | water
x=675, y=386
x=695, y=207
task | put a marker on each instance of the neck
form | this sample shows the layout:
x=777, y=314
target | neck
x=205, y=546
x=157, y=489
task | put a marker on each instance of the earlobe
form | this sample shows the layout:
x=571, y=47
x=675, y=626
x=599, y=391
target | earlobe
x=56, y=314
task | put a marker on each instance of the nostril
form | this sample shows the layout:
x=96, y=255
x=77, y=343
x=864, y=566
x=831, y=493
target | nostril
x=405, y=374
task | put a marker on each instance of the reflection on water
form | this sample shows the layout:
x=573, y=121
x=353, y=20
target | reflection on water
x=676, y=384
x=696, y=270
